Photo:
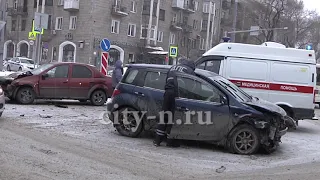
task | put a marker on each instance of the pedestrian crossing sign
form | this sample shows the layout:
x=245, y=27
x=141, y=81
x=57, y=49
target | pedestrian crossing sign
x=32, y=36
x=173, y=51
x=36, y=30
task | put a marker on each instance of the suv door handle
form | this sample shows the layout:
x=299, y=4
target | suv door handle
x=182, y=109
x=139, y=93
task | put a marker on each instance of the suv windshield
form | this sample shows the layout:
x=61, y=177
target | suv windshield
x=41, y=68
x=232, y=88
x=27, y=61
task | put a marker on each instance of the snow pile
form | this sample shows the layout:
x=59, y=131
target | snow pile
x=5, y=73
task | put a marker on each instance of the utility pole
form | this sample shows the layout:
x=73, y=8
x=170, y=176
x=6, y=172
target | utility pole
x=212, y=25
x=208, y=26
x=34, y=53
x=40, y=36
x=150, y=22
x=157, y=21
x=37, y=45
x=235, y=16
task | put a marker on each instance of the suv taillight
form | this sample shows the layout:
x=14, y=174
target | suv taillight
x=115, y=93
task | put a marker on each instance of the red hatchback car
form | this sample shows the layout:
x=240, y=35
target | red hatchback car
x=64, y=80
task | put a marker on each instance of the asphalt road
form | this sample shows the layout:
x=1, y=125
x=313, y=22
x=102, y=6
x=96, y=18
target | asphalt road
x=41, y=141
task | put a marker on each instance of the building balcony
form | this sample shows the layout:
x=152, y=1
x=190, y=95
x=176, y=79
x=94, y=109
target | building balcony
x=119, y=10
x=183, y=5
x=176, y=26
x=190, y=8
x=22, y=11
x=71, y=5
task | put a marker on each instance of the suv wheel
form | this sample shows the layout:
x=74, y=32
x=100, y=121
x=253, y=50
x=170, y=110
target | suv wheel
x=127, y=124
x=25, y=95
x=244, y=139
x=98, y=98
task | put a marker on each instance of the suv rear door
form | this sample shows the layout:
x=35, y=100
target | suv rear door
x=151, y=94
x=131, y=79
x=201, y=110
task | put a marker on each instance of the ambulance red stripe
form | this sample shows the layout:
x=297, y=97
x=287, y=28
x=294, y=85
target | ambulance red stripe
x=273, y=86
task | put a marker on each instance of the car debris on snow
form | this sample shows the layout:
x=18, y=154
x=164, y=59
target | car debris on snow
x=45, y=116
x=61, y=106
x=221, y=169
x=253, y=157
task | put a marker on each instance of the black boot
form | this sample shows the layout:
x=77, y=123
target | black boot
x=157, y=140
x=172, y=143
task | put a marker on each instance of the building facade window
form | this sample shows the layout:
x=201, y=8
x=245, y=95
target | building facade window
x=115, y=26
x=132, y=30
x=23, y=24
x=15, y=4
x=133, y=7
x=59, y=22
x=174, y=17
x=195, y=24
x=162, y=15
x=73, y=22
x=60, y=2
x=160, y=36
x=172, y=38
x=206, y=7
x=144, y=32
x=202, y=44
x=196, y=5
x=131, y=58
x=13, y=25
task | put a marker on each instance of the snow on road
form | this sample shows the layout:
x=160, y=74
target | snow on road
x=5, y=73
x=82, y=121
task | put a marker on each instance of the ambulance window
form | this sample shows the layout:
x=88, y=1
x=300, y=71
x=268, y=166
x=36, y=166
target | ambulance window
x=211, y=65
x=284, y=73
x=248, y=69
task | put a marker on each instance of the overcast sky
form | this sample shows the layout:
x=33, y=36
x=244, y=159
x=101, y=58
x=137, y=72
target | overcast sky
x=312, y=4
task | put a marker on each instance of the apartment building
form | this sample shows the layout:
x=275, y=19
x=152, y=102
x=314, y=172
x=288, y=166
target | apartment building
x=140, y=31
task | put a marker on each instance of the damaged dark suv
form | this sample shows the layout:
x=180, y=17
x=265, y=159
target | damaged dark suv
x=241, y=123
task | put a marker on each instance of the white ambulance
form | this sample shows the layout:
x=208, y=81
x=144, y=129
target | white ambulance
x=284, y=76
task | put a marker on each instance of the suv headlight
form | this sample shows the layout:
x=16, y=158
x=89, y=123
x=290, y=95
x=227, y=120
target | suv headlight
x=1, y=91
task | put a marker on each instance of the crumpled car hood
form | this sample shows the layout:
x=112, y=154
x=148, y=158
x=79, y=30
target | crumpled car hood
x=260, y=103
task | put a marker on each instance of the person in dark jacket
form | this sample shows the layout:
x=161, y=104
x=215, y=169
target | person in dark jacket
x=117, y=73
x=171, y=92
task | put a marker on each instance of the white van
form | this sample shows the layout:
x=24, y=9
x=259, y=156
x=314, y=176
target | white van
x=284, y=76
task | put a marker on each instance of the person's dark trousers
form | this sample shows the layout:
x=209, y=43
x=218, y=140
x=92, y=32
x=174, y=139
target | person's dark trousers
x=164, y=126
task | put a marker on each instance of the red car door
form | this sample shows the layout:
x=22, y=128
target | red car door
x=81, y=81
x=55, y=82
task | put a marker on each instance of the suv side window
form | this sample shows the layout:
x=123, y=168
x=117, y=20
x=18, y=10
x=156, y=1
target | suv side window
x=196, y=90
x=155, y=79
x=79, y=71
x=129, y=79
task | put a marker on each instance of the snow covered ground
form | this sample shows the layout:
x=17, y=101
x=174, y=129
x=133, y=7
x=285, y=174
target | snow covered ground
x=5, y=73
x=85, y=122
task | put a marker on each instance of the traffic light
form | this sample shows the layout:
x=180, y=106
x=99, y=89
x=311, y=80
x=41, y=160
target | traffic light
x=309, y=47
